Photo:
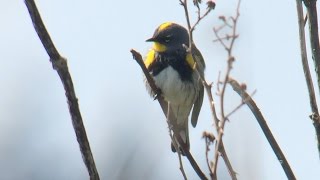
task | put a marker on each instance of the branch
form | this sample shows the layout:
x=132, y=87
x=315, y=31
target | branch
x=304, y=58
x=186, y=12
x=169, y=115
x=262, y=122
x=191, y=48
x=209, y=139
x=241, y=104
x=201, y=17
x=59, y=63
x=220, y=125
x=210, y=6
x=174, y=142
x=311, y=6
x=220, y=128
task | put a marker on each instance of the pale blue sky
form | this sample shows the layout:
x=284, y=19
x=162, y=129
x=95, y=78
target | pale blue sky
x=127, y=130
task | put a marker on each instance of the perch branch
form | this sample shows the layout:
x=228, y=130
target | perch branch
x=59, y=63
x=313, y=26
x=263, y=124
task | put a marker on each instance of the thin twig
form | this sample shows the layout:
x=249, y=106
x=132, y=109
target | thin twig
x=262, y=122
x=219, y=39
x=220, y=127
x=196, y=3
x=186, y=13
x=205, y=84
x=222, y=26
x=216, y=120
x=169, y=115
x=59, y=63
x=240, y=105
x=218, y=84
x=209, y=139
x=176, y=146
x=226, y=160
x=200, y=18
x=226, y=79
x=311, y=6
x=207, y=156
x=314, y=40
x=180, y=162
x=227, y=37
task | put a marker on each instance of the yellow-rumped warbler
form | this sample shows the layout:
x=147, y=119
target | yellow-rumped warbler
x=174, y=73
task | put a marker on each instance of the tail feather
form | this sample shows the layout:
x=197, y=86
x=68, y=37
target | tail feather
x=181, y=113
x=185, y=137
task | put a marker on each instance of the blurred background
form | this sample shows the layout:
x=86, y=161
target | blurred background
x=126, y=128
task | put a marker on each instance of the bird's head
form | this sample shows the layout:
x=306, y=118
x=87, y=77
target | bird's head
x=169, y=37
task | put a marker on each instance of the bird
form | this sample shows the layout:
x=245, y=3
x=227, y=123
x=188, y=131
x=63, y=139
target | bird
x=174, y=70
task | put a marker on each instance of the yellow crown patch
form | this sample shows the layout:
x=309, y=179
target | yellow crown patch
x=164, y=26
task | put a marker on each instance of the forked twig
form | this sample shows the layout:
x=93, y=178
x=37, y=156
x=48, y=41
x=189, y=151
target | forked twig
x=229, y=48
x=209, y=139
x=205, y=84
x=243, y=102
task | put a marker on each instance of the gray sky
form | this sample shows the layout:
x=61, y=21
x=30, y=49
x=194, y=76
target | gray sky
x=127, y=130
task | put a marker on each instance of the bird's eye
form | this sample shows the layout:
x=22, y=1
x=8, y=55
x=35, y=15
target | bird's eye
x=168, y=38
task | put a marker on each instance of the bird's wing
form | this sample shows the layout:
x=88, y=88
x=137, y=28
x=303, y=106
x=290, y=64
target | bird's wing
x=197, y=106
x=198, y=103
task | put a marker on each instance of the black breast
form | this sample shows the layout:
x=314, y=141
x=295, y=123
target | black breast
x=177, y=61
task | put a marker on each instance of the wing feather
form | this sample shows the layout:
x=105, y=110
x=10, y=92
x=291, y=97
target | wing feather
x=199, y=99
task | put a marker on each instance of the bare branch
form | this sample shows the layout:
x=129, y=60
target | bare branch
x=262, y=122
x=209, y=140
x=311, y=6
x=243, y=102
x=220, y=127
x=229, y=48
x=174, y=142
x=186, y=12
x=207, y=87
x=314, y=39
x=220, y=39
x=200, y=18
x=227, y=37
x=59, y=63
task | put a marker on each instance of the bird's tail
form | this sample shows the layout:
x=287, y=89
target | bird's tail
x=181, y=113
x=185, y=137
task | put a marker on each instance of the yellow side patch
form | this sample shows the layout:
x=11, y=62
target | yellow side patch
x=159, y=47
x=150, y=58
x=164, y=26
x=191, y=61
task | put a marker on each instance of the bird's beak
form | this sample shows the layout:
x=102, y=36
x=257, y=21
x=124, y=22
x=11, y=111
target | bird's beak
x=153, y=39
x=157, y=46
